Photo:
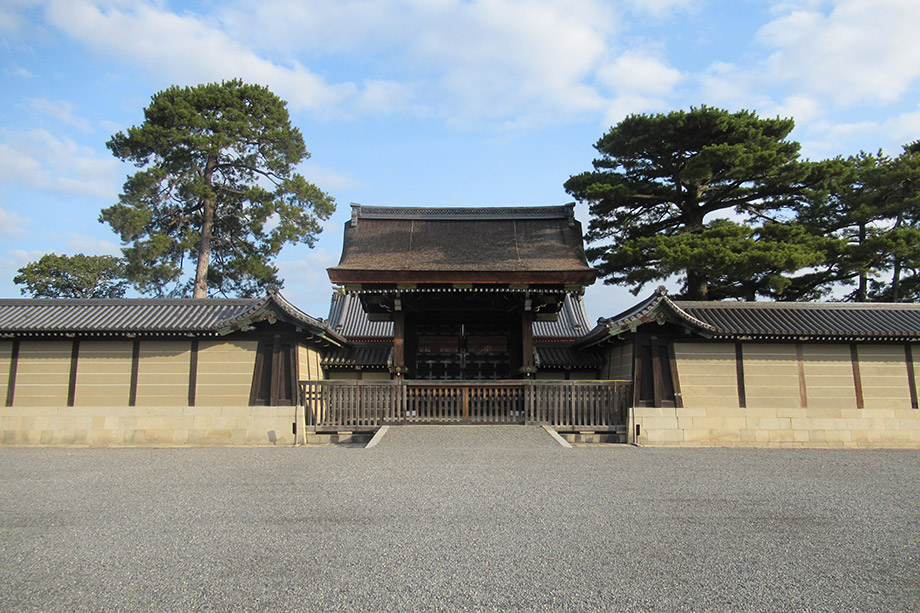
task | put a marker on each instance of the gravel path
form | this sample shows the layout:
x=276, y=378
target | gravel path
x=459, y=518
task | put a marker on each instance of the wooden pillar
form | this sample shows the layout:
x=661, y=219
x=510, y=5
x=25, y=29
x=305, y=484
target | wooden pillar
x=399, y=345
x=527, y=367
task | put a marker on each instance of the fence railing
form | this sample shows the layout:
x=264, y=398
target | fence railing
x=367, y=405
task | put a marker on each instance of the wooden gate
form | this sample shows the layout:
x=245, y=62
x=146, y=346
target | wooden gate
x=367, y=405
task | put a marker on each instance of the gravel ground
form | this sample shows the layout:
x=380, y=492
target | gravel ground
x=459, y=518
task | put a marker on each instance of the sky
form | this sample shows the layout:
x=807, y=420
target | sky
x=428, y=102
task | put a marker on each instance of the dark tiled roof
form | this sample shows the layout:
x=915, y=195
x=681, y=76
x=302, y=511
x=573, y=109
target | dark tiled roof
x=768, y=320
x=565, y=356
x=825, y=320
x=364, y=355
x=526, y=240
x=572, y=322
x=348, y=319
x=150, y=316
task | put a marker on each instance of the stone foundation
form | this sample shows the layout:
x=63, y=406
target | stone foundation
x=147, y=426
x=775, y=427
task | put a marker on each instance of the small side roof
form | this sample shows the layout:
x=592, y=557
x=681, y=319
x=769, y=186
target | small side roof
x=145, y=316
x=540, y=245
x=827, y=321
x=347, y=317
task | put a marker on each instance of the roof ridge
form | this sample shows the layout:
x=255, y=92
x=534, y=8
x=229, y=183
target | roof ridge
x=123, y=301
x=804, y=306
x=462, y=213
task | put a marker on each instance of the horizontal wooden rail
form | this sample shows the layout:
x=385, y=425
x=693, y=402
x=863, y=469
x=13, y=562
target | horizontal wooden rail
x=367, y=405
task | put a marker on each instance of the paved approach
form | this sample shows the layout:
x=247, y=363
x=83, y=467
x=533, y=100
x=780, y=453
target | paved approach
x=459, y=518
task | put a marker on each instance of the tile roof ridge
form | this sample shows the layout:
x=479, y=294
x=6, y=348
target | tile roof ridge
x=780, y=305
x=562, y=211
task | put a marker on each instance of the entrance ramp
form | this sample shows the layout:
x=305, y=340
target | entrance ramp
x=465, y=437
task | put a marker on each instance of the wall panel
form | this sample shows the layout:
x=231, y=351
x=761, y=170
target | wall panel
x=163, y=370
x=829, y=376
x=707, y=373
x=883, y=369
x=771, y=375
x=43, y=373
x=225, y=372
x=104, y=373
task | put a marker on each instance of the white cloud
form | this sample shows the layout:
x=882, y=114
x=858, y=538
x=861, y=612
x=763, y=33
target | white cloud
x=639, y=73
x=60, y=111
x=40, y=159
x=857, y=51
x=660, y=8
x=91, y=245
x=504, y=60
x=326, y=178
x=11, y=223
x=186, y=49
x=18, y=71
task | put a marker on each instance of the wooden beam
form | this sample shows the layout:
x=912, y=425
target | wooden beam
x=911, y=375
x=14, y=366
x=193, y=374
x=857, y=377
x=399, y=345
x=527, y=344
x=350, y=278
x=135, y=366
x=72, y=385
x=675, y=379
x=800, y=360
x=657, y=375
x=739, y=373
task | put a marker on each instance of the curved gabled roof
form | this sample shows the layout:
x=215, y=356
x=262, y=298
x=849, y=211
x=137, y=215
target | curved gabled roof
x=31, y=317
x=767, y=320
x=542, y=245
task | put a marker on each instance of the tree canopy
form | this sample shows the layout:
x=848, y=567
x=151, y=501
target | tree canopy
x=76, y=276
x=217, y=186
x=661, y=180
x=870, y=202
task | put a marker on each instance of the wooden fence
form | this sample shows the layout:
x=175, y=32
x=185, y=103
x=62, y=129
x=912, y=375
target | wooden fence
x=367, y=405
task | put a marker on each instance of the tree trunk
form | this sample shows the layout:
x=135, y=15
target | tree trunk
x=697, y=286
x=204, y=245
x=896, y=281
x=862, y=290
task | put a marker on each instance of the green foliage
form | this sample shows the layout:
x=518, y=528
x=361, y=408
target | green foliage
x=871, y=203
x=77, y=276
x=661, y=176
x=216, y=185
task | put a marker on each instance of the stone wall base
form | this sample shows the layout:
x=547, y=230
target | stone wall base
x=147, y=426
x=775, y=427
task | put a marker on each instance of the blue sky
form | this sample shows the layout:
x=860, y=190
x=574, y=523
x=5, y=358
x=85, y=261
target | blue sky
x=428, y=102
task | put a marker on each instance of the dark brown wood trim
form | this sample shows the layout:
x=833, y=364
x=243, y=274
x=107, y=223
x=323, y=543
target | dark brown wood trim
x=675, y=379
x=527, y=343
x=135, y=367
x=276, y=376
x=637, y=372
x=657, y=376
x=257, y=374
x=193, y=374
x=399, y=345
x=739, y=373
x=534, y=277
x=74, y=361
x=803, y=389
x=911, y=375
x=14, y=366
x=857, y=378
